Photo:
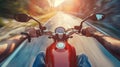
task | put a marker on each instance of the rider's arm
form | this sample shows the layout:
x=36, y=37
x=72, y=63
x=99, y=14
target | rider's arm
x=110, y=43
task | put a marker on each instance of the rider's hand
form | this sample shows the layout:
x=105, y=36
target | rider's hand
x=89, y=31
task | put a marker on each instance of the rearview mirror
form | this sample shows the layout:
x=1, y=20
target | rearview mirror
x=22, y=17
x=97, y=17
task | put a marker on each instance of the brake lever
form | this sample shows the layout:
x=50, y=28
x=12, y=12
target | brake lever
x=28, y=36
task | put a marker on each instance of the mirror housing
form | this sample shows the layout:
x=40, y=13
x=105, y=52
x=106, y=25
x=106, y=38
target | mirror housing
x=97, y=17
x=22, y=17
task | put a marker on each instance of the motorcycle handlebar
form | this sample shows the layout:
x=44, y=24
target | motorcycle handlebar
x=38, y=33
x=71, y=31
x=68, y=32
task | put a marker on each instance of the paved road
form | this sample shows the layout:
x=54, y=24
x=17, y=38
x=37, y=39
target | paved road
x=26, y=53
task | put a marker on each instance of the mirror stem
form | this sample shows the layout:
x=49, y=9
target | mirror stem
x=81, y=25
x=40, y=25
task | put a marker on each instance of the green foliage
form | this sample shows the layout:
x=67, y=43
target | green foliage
x=1, y=23
x=10, y=7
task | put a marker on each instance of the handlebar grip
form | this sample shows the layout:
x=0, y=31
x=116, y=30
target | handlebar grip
x=83, y=31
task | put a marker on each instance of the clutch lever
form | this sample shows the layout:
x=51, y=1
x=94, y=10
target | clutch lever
x=27, y=35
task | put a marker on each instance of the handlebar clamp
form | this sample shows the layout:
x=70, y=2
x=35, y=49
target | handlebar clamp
x=78, y=28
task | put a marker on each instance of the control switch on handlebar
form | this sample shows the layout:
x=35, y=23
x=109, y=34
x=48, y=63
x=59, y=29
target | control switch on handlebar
x=33, y=32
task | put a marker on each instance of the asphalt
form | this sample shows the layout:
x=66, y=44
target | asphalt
x=25, y=54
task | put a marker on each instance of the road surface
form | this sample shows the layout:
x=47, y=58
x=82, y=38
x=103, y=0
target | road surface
x=25, y=55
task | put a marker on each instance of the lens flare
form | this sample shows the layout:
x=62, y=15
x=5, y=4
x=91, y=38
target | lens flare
x=55, y=3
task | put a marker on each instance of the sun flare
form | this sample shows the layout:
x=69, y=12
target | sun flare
x=55, y=3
